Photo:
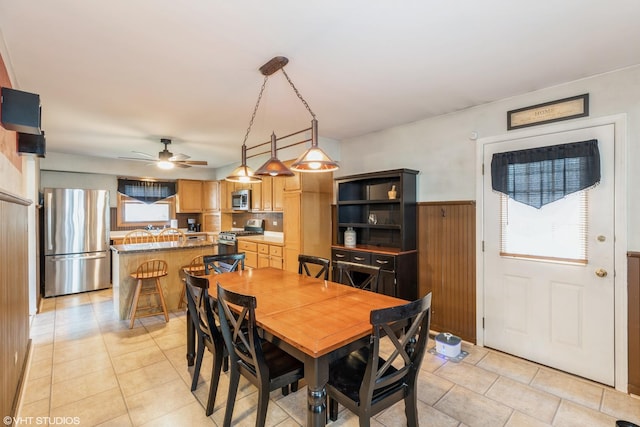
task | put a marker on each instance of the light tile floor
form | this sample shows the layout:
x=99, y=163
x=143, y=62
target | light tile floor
x=88, y=368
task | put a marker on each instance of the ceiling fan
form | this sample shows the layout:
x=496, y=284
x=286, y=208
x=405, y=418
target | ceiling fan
x=166, y=159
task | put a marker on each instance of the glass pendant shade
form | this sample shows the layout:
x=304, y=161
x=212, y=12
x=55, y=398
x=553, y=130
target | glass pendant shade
x=273, y=166
x=314, y=159
x=243, y=173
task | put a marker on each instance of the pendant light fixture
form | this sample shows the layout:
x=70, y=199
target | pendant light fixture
x=273, y=166
x=243, y=173
x=313, y=160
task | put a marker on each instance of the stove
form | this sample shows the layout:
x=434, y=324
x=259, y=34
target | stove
x=229, y=238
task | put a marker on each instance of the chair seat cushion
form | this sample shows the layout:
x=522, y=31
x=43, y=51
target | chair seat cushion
x=279, y=361
x=346, y=374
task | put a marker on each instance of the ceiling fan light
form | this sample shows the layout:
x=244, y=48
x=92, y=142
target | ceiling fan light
x=164, y=164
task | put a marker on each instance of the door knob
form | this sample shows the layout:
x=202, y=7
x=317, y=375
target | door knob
x=601, y=272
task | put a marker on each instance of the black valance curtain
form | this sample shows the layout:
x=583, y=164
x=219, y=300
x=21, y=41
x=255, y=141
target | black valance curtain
x=146, y=191
x=539, y=176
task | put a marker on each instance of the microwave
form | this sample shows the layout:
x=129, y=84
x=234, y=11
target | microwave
x=241, y=200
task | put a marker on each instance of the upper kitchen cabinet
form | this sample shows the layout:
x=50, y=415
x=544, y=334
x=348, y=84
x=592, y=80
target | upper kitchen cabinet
x=189, y=196
x=210, y=196
x=225, y=188
x=271, y=194
x=380, y=207
x=313, y=182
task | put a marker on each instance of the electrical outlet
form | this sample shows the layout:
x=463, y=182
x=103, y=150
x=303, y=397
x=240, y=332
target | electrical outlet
x=275, y=222
x=234, y=223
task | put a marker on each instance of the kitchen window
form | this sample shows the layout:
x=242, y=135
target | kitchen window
x=134, y=213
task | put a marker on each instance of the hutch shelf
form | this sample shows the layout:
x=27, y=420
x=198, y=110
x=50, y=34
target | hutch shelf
x=381, y=208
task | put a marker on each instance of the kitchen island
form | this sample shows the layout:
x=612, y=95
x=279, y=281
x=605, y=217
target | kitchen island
x=127, y=258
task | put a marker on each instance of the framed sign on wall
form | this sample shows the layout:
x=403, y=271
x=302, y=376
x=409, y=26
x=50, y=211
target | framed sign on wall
x=548, y=112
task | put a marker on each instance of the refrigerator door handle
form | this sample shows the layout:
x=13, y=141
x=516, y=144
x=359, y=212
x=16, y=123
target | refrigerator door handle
x=49, y=221
x=74, y=257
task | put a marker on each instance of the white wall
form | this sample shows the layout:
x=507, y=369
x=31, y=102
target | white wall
x=441, y=150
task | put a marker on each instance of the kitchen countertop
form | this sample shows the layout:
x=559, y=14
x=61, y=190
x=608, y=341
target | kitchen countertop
x=271, y=239
x=162, y=246
x=118, y=234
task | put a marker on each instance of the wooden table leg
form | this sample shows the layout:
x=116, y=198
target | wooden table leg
x=316, y=374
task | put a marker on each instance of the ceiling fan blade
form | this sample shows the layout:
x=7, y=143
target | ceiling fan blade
x=181, y=165
x=144, y=154
x=179, y=157
x=193, y=162
x=137, y=159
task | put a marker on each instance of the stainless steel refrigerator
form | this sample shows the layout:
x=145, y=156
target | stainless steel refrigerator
x=76, y=240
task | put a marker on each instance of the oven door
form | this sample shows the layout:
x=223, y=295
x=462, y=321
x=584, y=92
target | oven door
x=227, y=247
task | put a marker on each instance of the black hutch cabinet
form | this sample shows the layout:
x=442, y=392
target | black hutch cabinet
x=381, y=208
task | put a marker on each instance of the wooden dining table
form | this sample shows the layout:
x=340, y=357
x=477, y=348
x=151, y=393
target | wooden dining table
x=315, y=320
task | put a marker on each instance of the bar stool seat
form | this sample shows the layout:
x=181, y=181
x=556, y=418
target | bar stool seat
x=151, y=270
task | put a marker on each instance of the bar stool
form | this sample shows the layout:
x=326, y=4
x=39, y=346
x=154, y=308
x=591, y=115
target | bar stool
x=138, y=236
x=152, y=269
x=171, y=235
x=195, y=268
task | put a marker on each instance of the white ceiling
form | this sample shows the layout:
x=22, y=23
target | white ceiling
x=116, y=76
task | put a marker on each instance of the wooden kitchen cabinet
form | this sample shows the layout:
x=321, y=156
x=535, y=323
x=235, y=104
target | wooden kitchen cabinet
x=250, y=250
x=307, y=225
x=269, y=256
x=211, y=222
x=256, y=197
x=271, y=193
x=210, y=196
x=224, y=189
x=189, y=196
x=258, y=255
x=277, y=194
x=313, y=182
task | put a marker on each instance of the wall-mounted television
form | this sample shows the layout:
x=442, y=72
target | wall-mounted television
x=20, y=111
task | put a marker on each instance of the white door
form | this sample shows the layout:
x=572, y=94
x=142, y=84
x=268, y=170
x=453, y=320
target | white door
x=559, y=314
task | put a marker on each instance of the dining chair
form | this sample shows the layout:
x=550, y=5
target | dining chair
x=207, y=332
x=365, y=382
x=171, y=235
x=357, y=275
x=138, y=236
x=259, y=361
x=306, y=264
x=223, y=263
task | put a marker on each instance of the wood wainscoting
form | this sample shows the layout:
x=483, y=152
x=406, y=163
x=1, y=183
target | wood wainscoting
x=14, y=299
x=447, y=265
x=633, y=295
